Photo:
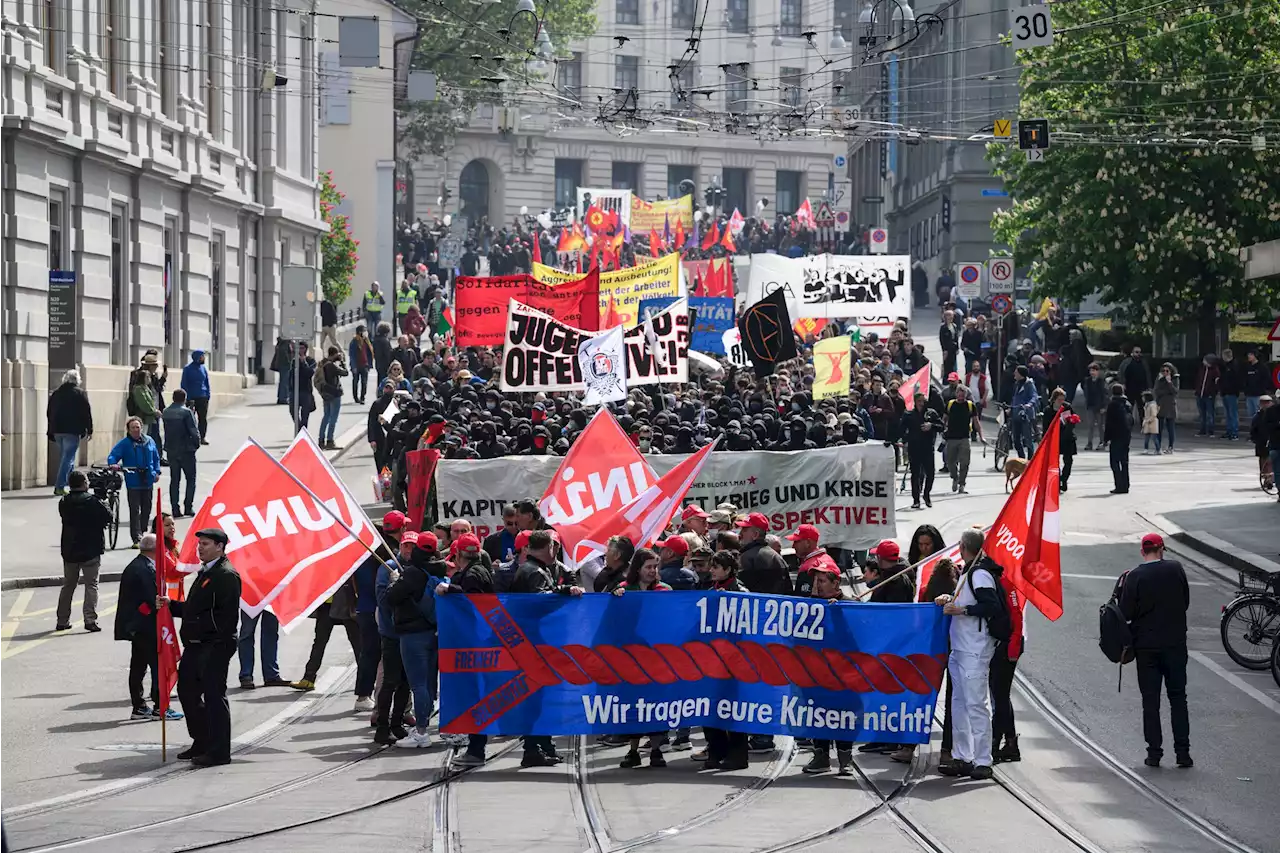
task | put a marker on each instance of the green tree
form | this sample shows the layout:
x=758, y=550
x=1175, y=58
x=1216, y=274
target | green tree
x=1152, y=185
x=338, y=249
x=476, y=61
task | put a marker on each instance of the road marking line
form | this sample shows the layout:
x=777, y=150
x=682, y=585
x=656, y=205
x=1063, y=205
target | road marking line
x=1237, y=682
x=40, y=641
x=20, y=606
x=1113, y=580
x=76, y=603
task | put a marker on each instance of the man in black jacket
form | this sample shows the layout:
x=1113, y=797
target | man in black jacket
x=949, y=341
x=70, y=421
x=182, y=439
x=210, y=621
x=761, y=569
x=1116, y=432
x=1154, y=598
x=84, y=517
x=880, y=575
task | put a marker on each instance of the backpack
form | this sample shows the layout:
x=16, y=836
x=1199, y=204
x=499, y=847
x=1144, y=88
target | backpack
x=1114, y=637
x=317, y=378
x=130, y=404
x=1000, y=626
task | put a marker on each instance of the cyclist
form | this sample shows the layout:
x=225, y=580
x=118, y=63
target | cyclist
x=1265, y=433
x=137, y=453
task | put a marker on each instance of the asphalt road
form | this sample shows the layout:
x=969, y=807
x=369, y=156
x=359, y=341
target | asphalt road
x=307, y=759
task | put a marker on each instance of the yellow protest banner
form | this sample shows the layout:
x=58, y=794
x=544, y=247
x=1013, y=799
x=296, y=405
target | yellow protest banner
x=649, y=216
x=622, y=290
x=831, y=367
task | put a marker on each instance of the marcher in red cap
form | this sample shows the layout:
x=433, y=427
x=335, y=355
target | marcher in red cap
x=825, y=585
x=761, y=569
x=887, y=563
x=694, y=520
x=671, y=553
x=812, y=557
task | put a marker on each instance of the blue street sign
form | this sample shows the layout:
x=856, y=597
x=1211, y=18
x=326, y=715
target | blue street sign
x=995, y=194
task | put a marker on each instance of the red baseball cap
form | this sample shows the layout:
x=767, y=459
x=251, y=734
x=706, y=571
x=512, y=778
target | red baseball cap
x=393, y=520
x=1152, y=541
x=675, y=544
x=693, y=511
x=826, y=566
x=887, y=549
x=427, y=541
x=805, y=531
x=467, y=543
x=410, y=537
x=522, y=539
x=953, y=377
x=755, y=519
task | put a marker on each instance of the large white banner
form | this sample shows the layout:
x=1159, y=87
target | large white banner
x=618, y=201
x=540, y=353
x=875, y=290
x=847, y=492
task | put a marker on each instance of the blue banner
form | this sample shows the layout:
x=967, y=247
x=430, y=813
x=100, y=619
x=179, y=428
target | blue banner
x=646, y=662
x=654, y=306
x=715, y=317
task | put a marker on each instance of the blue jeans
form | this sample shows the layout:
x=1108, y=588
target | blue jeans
x=1146, y=440
x=420, y=655
x=1205, y=406
x=1251, y=406
x=270, y=645
x=329, y=421
x=370, y=653
x=284, y=385
x=1169, y=425
x=69, y=447
x=1231, y=405
x=1021, y=428
x=371, y=321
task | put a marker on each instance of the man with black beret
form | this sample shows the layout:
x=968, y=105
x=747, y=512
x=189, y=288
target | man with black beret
x=210, y=625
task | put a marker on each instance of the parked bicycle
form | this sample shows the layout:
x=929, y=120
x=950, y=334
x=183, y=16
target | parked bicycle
x=1250, y=623
x=106, y=481
x=1275, y=661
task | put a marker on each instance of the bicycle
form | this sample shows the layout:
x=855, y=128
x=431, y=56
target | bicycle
x=1004, y=437
x=1275, y=661
x=1251, y=620
x=106, y=481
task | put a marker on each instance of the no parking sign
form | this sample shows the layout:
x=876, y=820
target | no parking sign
x=879, y=241
x=969, y=281
x=1001, y=304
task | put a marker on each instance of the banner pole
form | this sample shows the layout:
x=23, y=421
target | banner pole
x=160, y=591
x=862, y=595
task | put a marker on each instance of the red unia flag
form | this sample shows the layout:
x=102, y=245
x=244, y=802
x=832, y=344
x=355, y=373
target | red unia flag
x=642, y=519
x=166, y=634
x=1026, y=537
x=603, y=471
x=919, y=382
x=290, y=552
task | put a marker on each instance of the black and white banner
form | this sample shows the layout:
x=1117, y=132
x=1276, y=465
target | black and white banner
x=603, y=362
x=873, y=289
x=541, y=354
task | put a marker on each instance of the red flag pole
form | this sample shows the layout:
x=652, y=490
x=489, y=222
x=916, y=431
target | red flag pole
x=160, y=591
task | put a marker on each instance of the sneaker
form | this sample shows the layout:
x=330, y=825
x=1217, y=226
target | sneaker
x=631, y=759
x=93, y=628
x=417, y=739
x=878, y=746
x=66, y=627
x=956, y=768
x=468, y=759
x=305, y=684
x=364, y=703
x=455, y=740
x=955, y=487
x=845, y=760
x=962, y=490
x=981, y=771
x=383, y=736
x=656, y=759
x=1184, y=760
x=928, y=502
x=760, y=745
x=399, y=732
x=903, y=755
x=59, y=492
x=682, y=744
x=804, y=743
x=1008, y=752
x=820, y=763
x=916, y=505
x=170, y=715
x=537, y=759
x=276, y=681
x=700, y=755
x=142, y=713
x=247, y=684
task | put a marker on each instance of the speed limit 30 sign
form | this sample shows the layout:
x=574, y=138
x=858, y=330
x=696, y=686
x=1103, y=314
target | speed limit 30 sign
x=1000, y=275
x=1030, y=26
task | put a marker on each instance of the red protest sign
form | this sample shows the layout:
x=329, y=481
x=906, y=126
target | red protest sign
x=481, y=304
x=421, y=466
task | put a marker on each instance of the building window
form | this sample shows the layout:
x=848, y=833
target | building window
x=681, y=85
x=57, y=228
x=626, y=176
x=736, y=190
x=568, y=178
x=217, y=256
x=213, y=67
x=114, y=34
x=571, y=77
x=788, y=190
x=792, y=13
x=676, y=174
x=167, y=59
x=305, y=41
x=737, y=91
x=683, y=14
x=170, y=272
x=119, y=274
x=845, y=15
x=52, y=31
x=793, y=91
x=739, y=16
x=627, y=11
x=626, y=73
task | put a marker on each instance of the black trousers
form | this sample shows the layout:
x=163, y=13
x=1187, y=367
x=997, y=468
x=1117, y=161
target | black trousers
x=393, y=698
x=922, y=472
x=1168, y=665
x=143, y=655
x=182, y=465
x=722, y=744
x=1119, y=451
x=370, y=653
x=202, y=689
x=359, y=384
x=1064, y=473
x=201, y=407
x=140, y=518
x=1001, y=681
x=324, y=630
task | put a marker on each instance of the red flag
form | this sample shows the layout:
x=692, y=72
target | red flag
x=642, y=519
x=603, y=471
x=537, y=248
x=166, y=634
x=1025, y=539
x=655, y=243
x=612, y=317
x=421, y=466
x=924, y=568
x=679, y=241
x=572, y=239
x=804, y=214
x=919, y=381
x=712, y=237
x=727, y=242
x=290, y=553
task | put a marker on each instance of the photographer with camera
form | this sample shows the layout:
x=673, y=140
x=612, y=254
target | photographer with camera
x=328, y=382
x=84, y=518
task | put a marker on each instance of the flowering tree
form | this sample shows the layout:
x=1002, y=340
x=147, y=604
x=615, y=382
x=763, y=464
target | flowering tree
x=1152, y=184
x=338, y=249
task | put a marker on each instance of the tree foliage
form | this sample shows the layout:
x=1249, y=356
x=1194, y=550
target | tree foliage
x=468, y=54
x=338, y=249
x=1151, y=186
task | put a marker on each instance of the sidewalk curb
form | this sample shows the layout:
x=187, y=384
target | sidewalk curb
x=1254, y=565
x=349, y=438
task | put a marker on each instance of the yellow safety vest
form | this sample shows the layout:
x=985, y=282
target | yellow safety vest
x=373, y=302
x=404, y=300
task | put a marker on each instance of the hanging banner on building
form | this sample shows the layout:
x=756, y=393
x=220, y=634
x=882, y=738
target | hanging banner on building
x=622, y=290
x=606, y=664
x=480, y=303
x=541, y=354
x=847, y=491
x=616, y=201
x=711, y=319
x=656, y=216
x=875, y=290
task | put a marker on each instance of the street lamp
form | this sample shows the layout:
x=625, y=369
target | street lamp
x=872, y=14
